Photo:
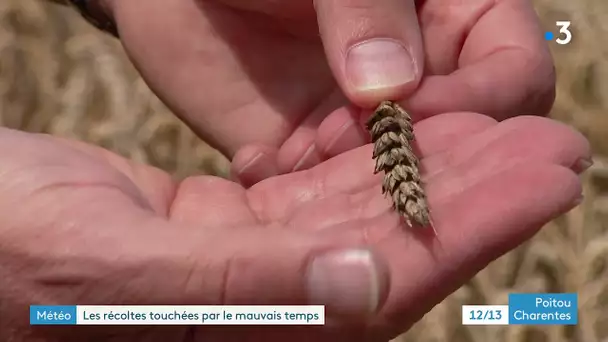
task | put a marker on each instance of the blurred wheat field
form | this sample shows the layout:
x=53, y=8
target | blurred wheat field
x=59, y=75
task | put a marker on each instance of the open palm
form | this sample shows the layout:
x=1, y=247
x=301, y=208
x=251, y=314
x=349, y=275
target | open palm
x=81, y=225
x=276, y=69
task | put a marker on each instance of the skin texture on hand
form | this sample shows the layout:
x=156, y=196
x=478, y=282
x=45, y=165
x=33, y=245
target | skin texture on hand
x=80, y=225
x=293, y=75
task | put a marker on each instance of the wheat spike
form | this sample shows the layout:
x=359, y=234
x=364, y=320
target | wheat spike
x=392, y=131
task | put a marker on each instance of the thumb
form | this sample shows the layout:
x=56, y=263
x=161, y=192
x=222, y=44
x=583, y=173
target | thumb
x=255, y=266
x=374, y=47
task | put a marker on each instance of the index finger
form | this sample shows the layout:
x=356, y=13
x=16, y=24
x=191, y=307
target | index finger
x=484, y=56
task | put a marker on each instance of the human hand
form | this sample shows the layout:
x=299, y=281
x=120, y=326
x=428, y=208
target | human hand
x=79, y=225
x=271, y=85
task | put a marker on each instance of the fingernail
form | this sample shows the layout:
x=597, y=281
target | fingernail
x=251, y=163
x=582, y=165
x=309, y=159
x=261, y=166
x=379, y=63
x=346, y=137
x=348, y=283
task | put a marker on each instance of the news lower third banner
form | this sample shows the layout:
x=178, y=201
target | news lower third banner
x=176, y=315
x=526, y=309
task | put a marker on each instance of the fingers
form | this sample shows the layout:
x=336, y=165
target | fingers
x=522, y=144
x=483, y=149
x=517, y=139
x=306, y=147
x=253, y=163
x=341, y=131
x=373, y=47
x=353, y=171
x=300, y=151
x=472, y=76
x=464, y=166
x=443, y=132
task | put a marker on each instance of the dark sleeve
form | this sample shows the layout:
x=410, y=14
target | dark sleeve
x=91, y=14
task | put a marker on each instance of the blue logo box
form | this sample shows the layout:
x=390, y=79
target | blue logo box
x=543, y=309
x=52, y=314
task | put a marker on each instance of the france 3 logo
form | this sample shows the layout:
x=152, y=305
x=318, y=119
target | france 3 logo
x=563, y=36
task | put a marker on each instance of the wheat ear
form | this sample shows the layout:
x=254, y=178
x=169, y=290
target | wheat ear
x=392, y=133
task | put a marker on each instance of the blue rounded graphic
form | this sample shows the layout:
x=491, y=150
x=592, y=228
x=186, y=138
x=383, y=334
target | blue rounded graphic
x=549, y=35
